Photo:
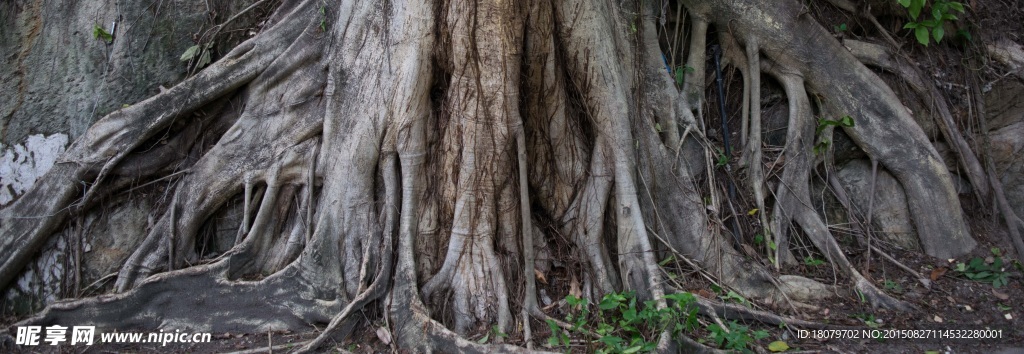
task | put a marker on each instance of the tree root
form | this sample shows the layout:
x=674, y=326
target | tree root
x=425, y=153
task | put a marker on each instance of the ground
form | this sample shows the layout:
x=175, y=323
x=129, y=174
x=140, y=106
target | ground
x=959, y=303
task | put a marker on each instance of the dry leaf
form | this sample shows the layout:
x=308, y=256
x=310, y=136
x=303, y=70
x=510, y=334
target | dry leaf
x=540, y=276
x=384, y=335
x=938, y=273
x=574, y=288
x=1008, y=316
x=749, y=250
x=937, y=319
x=1000, y=295
x=705, y=294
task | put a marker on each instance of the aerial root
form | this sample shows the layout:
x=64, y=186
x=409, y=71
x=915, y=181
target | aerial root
x=108, y=142
x=794, y=198
x=215, y=184
x=382, y=278
x=878, y=56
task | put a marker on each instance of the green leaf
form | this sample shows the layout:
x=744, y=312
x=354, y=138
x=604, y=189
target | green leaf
x=905, y=3
x=632, y=349
x=915, y=8
x=910, y=25
x=846, y=121
x=922, y=35
x=629, y=315
x=485, y=338
x=189, y=53
x=937, y=33
x=956, y=6
x=937, y=13
x=99, y=33
x=680, y=77
x=778, y=346
x=204, y=59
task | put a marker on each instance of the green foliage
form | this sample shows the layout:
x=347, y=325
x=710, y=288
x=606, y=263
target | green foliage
x=99, y=33
x=737, y=338
x=199, y=52
x=823, y=144
x=681, y=72
x=722, y=159
x=942, y=11
x=495, y=331
x=813, y=262
x=625, y=326
x=840, y=28
x=868, y=319
x=323, y=16
x=733, y=296
x=978, y=269
x=893, y=286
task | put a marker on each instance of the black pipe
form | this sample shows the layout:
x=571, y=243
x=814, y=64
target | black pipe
x=717, y=54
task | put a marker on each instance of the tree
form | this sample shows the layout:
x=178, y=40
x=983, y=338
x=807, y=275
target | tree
x=418, y=155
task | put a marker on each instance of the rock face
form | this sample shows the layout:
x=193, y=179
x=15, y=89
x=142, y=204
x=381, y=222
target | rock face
x=1006, y=133
x=58, y=78
x=890, y=215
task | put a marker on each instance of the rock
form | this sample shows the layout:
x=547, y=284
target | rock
x=802, y=289
x=1006, y=146
x=890, y=214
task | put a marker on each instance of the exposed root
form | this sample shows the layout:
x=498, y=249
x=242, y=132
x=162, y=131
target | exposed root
x=37, y=214
x=411, y=122
x=878, y=56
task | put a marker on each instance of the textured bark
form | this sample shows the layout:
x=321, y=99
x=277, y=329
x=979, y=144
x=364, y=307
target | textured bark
x=417, y=156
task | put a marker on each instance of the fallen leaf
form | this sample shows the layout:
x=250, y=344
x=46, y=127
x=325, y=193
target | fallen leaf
x=705, y=294
x=778, y=346
x=968, y=308
x=937, y=319
x=1008, y=316
x=540, y=276
x=1000, y=295
x=574, y=287
x=751, y=213
x=749, y=250
x=384, y=335
x=938, y=273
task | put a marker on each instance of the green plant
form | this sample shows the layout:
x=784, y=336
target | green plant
x=681, y=72
x=323, y=16
x=926, y=30
x=200, y=51
x=868, y=319
x=732, y=295
x=723, y=159
x=893, y=286
x=100, y=33
x=813, y=262
x=495, y=331
x=823, y=144
x=624, y=326
x=840, y=28
x=737, y=338
x=978, y=270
